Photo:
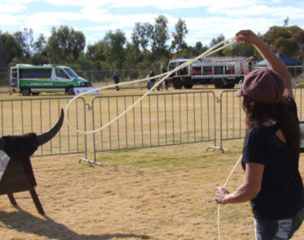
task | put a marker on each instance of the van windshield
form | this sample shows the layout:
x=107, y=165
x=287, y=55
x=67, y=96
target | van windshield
x=71, y=72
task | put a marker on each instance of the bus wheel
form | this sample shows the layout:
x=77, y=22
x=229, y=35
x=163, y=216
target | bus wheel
x=26, y=91
x=188, y=85
x=70, y=91
x=177, y=84
x=219, y=83
x=35, y=93
x=230, y=85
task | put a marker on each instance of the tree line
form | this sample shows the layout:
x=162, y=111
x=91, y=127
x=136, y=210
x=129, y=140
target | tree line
x=149, y=46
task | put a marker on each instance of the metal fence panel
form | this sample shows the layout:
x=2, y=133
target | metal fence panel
x=158, y=120
x=21, y=116
x=298, y=95
x=232, y=117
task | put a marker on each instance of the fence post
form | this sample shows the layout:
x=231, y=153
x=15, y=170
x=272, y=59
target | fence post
x=221, y=127
x=86, y=138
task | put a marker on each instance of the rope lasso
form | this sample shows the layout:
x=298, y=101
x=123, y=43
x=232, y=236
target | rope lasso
x=219, y=206
x=164, y=75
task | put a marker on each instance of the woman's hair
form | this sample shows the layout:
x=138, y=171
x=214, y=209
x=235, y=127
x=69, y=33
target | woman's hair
x=258, y=112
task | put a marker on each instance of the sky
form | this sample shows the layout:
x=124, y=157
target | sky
x=205, y=19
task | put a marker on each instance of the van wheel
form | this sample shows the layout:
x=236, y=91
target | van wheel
x=35, y=93
x=26, y=91
x=70, y=91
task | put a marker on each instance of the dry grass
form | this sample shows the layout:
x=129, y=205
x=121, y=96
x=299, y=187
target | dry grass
x=154, y=193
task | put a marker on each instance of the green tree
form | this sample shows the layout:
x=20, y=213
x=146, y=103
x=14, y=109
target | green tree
x=216, y=41
x=135, y=36
x=142, y=35
x=286, y=40
x=39, y=46
x=96, y=52
x=178, y=42
x=132, y=56
x=198, y=46
x=38, y=59
x=286, y=22
x=245, y=50
x=39, y=56
x=298, y=35
x=65, y=45
x=286, y=46
x=25, y=40
x=147, y=35
x=199, y=49
x=9, y=49
x=114, y=48
x=160, y=37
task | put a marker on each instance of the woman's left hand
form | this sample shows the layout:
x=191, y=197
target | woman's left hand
x=220, y=195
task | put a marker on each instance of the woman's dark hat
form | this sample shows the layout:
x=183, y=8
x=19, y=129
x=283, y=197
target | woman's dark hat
x=263, y=85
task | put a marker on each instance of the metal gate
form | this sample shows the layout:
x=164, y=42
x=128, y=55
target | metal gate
x=39, y=115
x=158, y=120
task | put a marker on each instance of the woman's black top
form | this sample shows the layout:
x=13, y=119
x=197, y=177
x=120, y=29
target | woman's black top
x=281, y=194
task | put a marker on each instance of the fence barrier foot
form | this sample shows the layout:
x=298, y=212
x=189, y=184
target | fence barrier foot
x=90, y=162
x=218, y=148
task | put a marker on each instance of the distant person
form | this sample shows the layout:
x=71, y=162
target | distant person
x=116, y=78
x=167, y=83
x=148, y=82
x=152, y=81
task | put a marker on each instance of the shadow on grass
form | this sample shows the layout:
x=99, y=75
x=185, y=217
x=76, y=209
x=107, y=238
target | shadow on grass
x=25, y=222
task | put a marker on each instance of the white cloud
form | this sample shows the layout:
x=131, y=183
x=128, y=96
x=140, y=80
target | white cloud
x=159, y=4
x=98, y=17
x=18, y=1
x=9, y=20
x=120, y=21
x=200, y=31
x=262, y=10
x=92, y=11
x=8, y=8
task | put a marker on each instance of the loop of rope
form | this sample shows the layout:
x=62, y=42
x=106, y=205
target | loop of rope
x=164, y=75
